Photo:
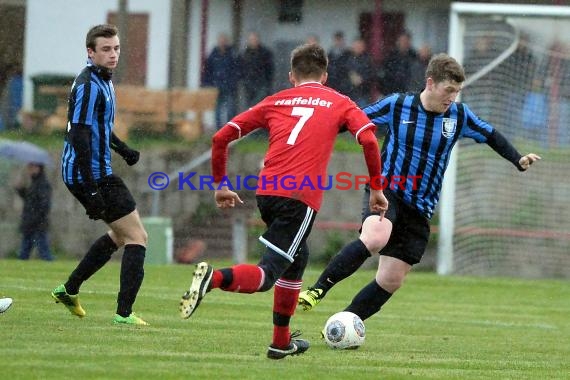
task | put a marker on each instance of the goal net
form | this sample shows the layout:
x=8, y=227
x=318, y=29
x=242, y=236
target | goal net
x=493, y=219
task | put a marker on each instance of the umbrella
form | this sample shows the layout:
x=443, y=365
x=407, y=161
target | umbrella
x=24, y=151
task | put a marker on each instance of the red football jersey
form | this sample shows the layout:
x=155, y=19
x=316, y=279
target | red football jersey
x=303, y=123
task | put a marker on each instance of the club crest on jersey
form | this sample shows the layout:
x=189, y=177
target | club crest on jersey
x=448, y=127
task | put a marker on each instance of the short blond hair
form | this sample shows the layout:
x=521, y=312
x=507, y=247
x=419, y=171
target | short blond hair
x=442, y=67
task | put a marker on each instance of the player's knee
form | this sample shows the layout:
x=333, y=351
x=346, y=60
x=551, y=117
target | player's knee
x=374, y=243
x=269, y=279
x=136, y=236
x=273, y=265
x=375, y=234
x=143, y=236
x=390, y=281
x=267, y=284
x=118, y=240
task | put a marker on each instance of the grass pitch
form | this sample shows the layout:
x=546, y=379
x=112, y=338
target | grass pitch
x=433, y=328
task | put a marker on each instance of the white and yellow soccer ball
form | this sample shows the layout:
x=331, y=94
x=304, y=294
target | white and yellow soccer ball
x=344, y=330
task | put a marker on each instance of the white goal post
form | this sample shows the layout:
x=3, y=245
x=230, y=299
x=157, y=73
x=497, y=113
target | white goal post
x=508, y=26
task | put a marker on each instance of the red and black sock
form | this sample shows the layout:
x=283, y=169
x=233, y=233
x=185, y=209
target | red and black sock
x=241, y=278
x=285, y=297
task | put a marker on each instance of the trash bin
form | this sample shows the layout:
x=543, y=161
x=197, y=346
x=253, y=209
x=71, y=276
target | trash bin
x=160, y=240
x=47, y=101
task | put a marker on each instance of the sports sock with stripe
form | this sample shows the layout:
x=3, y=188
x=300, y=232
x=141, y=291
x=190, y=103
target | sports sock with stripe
x=241, y=278
x=285, y=297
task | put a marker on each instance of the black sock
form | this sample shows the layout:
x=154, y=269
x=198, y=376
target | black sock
x=97, y=256
x=345, y=263
x=132, y=274
x=369, y=300
x=227, y=277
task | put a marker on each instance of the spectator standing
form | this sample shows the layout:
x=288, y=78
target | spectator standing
x=528, y=95
x=478, y=56
x=338, y=57
x=35, y=213
x=222, y=71
x=419, y=66
x=360, y=71
x=257, y=70
x=15, y=98
x=312, y=39
x=396, y=73
x=11, y=96
x=556, y=75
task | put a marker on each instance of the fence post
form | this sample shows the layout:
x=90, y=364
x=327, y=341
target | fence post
x=239, y=238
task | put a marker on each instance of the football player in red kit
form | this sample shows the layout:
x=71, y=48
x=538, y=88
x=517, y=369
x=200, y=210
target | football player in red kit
x=302, y=123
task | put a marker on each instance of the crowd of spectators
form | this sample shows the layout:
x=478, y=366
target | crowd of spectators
x=226, y=68
x=532, y=80
x=354, y=72
x=245, y=77
x=543, y=92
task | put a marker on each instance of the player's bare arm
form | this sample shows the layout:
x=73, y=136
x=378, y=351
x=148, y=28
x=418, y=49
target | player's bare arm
x=528, y=160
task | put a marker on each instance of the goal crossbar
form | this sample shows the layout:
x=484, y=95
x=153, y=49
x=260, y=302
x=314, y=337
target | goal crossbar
x=520, y=10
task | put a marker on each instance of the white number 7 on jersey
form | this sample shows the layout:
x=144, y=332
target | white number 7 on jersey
x=305, y=113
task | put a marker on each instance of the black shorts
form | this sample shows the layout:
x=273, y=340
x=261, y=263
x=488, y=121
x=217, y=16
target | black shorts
x=410, y=229
x=288, y=221
x=118, y=199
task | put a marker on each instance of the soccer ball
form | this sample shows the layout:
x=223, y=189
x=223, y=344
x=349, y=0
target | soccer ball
x=5, y=304
x=344, y=330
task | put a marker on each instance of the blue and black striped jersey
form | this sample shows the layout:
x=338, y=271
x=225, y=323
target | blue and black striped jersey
x=418, y=144
x=91, y=104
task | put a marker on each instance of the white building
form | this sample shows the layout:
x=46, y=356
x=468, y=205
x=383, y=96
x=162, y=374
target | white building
x=55, y=30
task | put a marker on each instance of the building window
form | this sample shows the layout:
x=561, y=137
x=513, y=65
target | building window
x=290, y=11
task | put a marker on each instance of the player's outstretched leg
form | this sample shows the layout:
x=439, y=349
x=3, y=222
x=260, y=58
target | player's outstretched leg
x=201, y=284
x=344, y=264
x=296, y=347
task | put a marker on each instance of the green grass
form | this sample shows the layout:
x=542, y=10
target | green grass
x=45, y=141
x=434, y=328
x=138, y=138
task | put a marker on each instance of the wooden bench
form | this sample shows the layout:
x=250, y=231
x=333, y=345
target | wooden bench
x=157, y=110
x=150, y=110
